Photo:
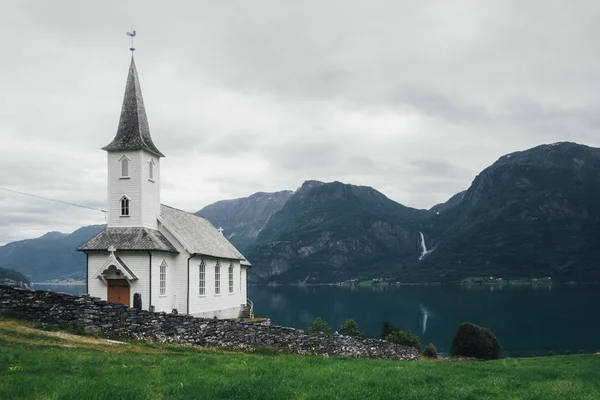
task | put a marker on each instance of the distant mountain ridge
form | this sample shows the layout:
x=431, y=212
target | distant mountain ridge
x=50, y=256
x=329, y=232
x=533, y=213
x=242, y=219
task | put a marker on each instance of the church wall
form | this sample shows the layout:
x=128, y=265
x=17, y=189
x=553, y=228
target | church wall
x=137, y=262
x=244, y=276
x=168, y=301
x=178, y=274
x=150, y=191
x=117, y=187
x=96, y=287
x=223, y=305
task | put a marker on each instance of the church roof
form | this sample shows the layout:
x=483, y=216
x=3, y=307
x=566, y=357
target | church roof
x=133, y=239
x=133, y=132
x=196, y=234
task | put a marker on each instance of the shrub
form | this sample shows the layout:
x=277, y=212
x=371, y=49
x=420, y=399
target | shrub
x=319, y=325
x=471, y=340
x=350, y=328
x=551, y=353
x=568, y=352
x=406, y=338
x=430, y=351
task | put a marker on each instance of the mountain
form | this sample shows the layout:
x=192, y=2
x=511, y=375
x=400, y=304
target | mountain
x=11, y=276
x=450, y=203
x=242, y=219
x=533, y=213
x=50, y=256
x=329, y=232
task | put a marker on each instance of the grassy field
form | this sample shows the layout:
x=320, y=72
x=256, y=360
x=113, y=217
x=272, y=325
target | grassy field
x=36, y=364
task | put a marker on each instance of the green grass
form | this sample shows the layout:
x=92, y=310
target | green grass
x=31, y=367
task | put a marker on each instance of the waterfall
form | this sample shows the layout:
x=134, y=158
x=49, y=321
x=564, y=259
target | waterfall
x=424, y=251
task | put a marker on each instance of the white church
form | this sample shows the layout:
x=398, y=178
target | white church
x=172, y=258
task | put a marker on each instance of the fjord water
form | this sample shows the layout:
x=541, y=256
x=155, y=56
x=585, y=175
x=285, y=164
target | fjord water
x=528, y=320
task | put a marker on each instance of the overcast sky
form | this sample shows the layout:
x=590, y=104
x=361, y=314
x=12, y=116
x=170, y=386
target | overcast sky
x=413, y=98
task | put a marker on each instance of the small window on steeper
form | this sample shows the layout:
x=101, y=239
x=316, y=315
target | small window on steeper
x=124, y=167
x=124, y=206
x=151, y=169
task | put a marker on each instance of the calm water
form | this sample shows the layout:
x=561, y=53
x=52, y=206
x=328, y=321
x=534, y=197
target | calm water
x=526, y=320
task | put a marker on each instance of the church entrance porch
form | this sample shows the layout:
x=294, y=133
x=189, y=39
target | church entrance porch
x=118, y=291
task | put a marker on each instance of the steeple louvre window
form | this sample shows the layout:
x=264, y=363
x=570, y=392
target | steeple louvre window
x=124, y=206
x=124, y=166
x=151, y=170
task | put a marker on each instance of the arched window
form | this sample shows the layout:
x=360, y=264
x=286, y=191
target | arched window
x=151, y=169
x=202, y=279
x=163, y=278
x=218, y=278
x=124, y=166
x=124, y=206
x=230, y=277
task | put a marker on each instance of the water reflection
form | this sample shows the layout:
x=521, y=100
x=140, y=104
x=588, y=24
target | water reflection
x=424, y=316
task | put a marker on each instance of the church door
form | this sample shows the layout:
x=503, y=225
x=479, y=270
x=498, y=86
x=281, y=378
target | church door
x=118, y=291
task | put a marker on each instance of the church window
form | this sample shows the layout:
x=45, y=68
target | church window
x=124, y=166
x=230, y=277
x=218, y=278
x=163, y=278
x=151, y=169
x=124, y=206
x=202, y=279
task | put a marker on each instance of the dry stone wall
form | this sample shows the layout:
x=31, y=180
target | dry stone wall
x=92, y=315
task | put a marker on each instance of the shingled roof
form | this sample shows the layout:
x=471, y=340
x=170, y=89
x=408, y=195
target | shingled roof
x=133, y=132
x=197, y=235
x=133, y=239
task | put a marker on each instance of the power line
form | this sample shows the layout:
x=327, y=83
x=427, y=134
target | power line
x=49, y=199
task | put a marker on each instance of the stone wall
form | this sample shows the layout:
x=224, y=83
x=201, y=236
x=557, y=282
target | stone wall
x=93, y=315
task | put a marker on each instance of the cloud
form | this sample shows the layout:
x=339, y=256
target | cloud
x=411, y=98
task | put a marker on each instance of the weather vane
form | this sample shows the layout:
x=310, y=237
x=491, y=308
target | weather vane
x=131, y=35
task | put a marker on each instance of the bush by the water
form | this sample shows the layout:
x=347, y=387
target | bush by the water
x=394, y=334
x=406, y=338
x=319, y=325
x=350, y=328
x=430, y=351
x=471, y=340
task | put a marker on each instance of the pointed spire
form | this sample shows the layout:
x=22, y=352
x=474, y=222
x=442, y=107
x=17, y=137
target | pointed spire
x=133, y=132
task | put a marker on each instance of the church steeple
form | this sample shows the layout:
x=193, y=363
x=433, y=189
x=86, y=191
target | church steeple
x=133, y=132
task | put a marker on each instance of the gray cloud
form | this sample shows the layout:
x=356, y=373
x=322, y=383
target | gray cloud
x=411, y=98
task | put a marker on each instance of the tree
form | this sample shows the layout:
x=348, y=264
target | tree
x=406, y=338
x=387, y=328
x=471, y=340
x=430, y=351
x=319, y=325
x=350, y=328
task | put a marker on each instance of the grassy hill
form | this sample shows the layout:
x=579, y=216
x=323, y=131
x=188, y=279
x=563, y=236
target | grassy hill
x=43, y=365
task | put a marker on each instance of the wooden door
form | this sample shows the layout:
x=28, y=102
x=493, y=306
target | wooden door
x=118, y=291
